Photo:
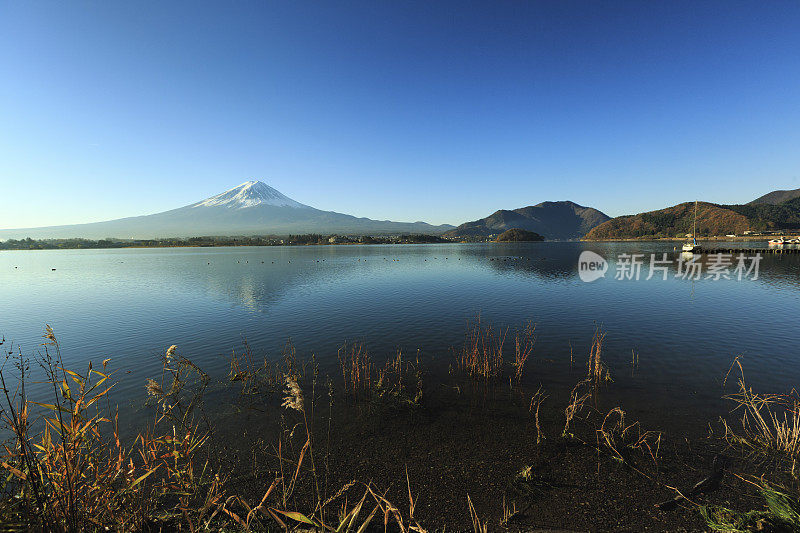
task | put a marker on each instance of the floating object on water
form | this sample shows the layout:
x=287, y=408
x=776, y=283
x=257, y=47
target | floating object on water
x=53, y=269
x=690, y=247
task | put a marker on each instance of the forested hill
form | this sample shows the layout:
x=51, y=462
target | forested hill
x=712, y=219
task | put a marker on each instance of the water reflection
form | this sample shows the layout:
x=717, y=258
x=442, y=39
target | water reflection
x=131, y=304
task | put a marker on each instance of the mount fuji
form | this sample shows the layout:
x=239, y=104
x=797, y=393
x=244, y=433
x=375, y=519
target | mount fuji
x=252, y=208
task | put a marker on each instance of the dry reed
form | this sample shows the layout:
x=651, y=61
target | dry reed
x=482, y=353
x=769, y=422
x=357, y=369
x=536, y=403
x=72, y=472
x=619, y=438
x=477, y=525
x=598, y=371
x=523, y=347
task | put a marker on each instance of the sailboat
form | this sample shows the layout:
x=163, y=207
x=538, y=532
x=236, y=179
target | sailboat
x=692, y=246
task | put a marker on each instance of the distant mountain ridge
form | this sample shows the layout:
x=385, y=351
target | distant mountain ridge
x=252, y=208
x=255, y=208
x=777, y=197
x=673, y=221
x=554, y=220
x=777, y=210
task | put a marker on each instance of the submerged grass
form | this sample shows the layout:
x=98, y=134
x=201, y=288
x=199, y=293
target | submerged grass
x=69, y=470
x=620, y=438
x=782, y=513
x=769, y=423
x=483, y=351
x=357, y=369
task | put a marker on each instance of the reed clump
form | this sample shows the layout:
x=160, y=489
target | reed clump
x=482, y=353
x=597, y=369
x=68, y=469
x=399, y=379
x=337, y=513
x=782, y=513
x=580, y=394
x=524, y=341
x=357, y=369
x=241, y=366
x=393, y=379
x=536, y=403
x=620, y=438
x=769, y=423
x=612, y=433
x=597, y=373
x=478, y=526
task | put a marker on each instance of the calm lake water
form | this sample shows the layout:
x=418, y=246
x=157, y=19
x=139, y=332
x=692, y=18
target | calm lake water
x=130, y=305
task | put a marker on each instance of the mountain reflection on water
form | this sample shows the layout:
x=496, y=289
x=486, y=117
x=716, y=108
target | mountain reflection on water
x=131, y=304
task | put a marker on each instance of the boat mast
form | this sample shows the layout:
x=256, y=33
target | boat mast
x=694, y=225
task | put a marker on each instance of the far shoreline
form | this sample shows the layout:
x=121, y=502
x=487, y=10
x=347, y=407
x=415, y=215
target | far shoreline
x=310, y=240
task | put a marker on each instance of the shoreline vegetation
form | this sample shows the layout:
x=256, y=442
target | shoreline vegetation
x=333, y=463
x=723, y=238
x=711, y=219
x=329, y=240
x=269, y=240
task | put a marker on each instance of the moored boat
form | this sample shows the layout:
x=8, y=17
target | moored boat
x=692, y=246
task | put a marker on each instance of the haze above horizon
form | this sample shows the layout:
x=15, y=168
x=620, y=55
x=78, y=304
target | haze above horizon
x=442, y=112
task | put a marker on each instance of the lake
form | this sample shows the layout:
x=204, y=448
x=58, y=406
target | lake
x=669, y=344
x=131, y=304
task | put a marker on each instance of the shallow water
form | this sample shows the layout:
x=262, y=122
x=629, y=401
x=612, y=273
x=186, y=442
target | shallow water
x=131, y=304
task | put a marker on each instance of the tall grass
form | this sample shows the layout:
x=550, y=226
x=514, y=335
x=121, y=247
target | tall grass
x=357, y=369
x=620, y=438
x=769, y=423
x=536, y=403
x=69, y=469
x=782, y=513
x=478, y=526
x=578, y=397
x=523, y=347
x=482, y=353
x=597, y=369
x=277, y=501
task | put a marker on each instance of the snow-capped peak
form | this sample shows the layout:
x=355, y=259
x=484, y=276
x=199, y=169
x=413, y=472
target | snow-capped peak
x=249, y=194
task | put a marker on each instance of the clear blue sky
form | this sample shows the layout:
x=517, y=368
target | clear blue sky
x=431, y=111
